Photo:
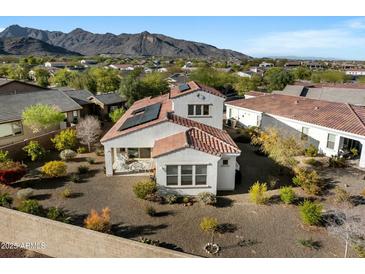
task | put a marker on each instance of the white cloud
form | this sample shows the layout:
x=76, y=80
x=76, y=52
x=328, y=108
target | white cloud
x=304, y=42
x=357, y=23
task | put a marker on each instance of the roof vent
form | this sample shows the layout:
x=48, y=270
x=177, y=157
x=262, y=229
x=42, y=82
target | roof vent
x=316, y=108
x=296, y=102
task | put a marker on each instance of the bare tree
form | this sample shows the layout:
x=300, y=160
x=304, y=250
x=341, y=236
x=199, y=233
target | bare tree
x=350, y=228
x=88, y=131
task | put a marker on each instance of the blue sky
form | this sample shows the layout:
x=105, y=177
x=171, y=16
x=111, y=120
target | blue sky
x=336, y=37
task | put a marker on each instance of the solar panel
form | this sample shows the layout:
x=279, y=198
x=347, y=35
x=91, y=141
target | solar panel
x=142, y=116
x=184, y=87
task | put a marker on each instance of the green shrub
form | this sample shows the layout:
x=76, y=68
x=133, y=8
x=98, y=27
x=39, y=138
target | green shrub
x=312, y=162
x=360, y=250
x=116, y=114
x=31, y=207
x=83, y=169
x=66, y=192
x=341, y=195
x=144, y=188
x=99, y=152
x=34, y=150
x=90, y=160
x=336, y=161
x=5, y=200
x=57, y=214
x=54, y=169
x=150, y=211
x=81, y=150
x=287, y=194
x=311, y=212
x=258, y=193
x=155, y=197
x=75, y=178
x=309, y=181
x=310, y=243
x=170, y=198
x=354, y=152
x=207, y=198
x=186, y=199
x=209, y=225
x=67, y=154
x=66, y=139
x=4, y=156
x=311, y=151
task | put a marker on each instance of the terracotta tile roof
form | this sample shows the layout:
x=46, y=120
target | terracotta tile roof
x=194, y=86
x=194, y=138
x=331, y=85
x=166, y=106
x=256, y=93
x=339, y=116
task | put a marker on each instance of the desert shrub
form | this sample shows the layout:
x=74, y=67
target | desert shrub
x=336, y=161
x=207, y=198
x=311, y=151
x=10, y=172
x=24, y=194
x=99, y=152
x=98, y=221
x=310, y=243
x=67, y=154
x=4, y=156
x=341, y=195
x=150, y=211
x=272, y=181
x=83, y=169
x=258, y=193
x=209, y=225
x=253, y=131
x=75, y=178
x=57, y=214
x=81, y=150
x=279, y=148
x=287, y=194
x=309, y=181
x=5, y=200
x=90, y=160
x=186, y=199
x=312, y=162
x=170, y=198
x=31, y=207
x=34, y=150
x=311, y=212
x=66, y=139
x=360, y=250
x=155, y=197
x=354, y=152
x=54, y=169
x=143, y=188
x=66, y=192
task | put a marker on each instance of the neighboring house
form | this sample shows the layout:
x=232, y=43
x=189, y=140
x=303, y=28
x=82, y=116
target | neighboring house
x=8, y=86
x=292, y=64
x=12, y=104
x=355, y=72
x=177, y=79
x=341, y=93
x=245, y=74
x=59, y=65
x=122, y=67
x=266, y=65
x=99, y=105
x=178, y=135
x=88, y=63
x=330, y=126
x=162, y=70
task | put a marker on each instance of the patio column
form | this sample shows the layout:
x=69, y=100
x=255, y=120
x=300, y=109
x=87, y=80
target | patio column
x=108, y=152
x=362, y=155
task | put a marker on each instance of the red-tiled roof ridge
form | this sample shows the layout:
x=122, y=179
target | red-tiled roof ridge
x=356, y=114
x=193, y=87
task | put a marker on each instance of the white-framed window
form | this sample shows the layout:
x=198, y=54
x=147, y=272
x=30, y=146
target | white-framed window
x=305, y=132
x=172, y=175
x=186, y=175
x=139, y=153
x=11, y=129
x=75, y=114
x=331, y=139
x=198, y=110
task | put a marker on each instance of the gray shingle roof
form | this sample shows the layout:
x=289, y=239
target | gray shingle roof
x=353, y=96
x=4, y=81
x=80, y=96
x=12, y=106
x=109, y=98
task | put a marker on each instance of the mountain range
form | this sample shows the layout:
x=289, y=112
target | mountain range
x=24, y=41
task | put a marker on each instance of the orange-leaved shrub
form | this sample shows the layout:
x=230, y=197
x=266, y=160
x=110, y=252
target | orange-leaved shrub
x=98, y=221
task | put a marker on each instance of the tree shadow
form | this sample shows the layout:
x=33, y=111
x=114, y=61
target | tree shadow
x=165, y=213
x=75, y=195
x=226, y=228
x=42, y=183
x=171, y=246
x=131, y=231
x=76, y=219
x=274, y=200
x=224, y=202
x=41, y=197
x=357, y=200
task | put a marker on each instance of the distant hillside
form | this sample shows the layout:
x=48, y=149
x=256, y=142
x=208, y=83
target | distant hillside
x=30, y=46
x=140, y=44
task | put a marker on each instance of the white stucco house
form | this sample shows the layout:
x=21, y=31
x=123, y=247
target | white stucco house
x=178, y=137
x=330, y=126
